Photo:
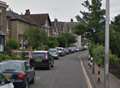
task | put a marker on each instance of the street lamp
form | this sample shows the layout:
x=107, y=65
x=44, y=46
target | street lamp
x=106, y=72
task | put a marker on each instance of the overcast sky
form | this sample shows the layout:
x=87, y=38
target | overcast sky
x=61, y=9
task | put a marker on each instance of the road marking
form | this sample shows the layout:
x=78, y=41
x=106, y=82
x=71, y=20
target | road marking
x=37, y=78
x=86, y=76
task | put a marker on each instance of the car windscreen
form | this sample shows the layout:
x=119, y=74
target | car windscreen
x=53, y=51
x=11, y=66
x=40, y=55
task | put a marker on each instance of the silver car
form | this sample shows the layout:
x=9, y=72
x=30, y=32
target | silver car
x=4, y=82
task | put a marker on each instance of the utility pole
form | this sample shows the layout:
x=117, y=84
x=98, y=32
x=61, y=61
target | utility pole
x=106, y=72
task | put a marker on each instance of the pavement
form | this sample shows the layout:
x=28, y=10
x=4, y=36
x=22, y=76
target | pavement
x=114, y=82
x=67, y=73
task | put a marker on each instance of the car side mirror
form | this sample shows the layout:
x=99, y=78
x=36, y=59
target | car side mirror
x=6, y=82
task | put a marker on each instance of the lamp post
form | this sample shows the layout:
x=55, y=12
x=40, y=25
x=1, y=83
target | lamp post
x=106, y=72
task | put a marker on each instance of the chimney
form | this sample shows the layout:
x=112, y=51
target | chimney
x=71, y=20
x=56, y=20
x=27, y=12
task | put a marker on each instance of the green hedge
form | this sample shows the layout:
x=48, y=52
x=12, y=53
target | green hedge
x=97, y=52
x=4, y=57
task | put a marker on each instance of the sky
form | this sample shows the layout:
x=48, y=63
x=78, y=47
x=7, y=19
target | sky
x=64, y=10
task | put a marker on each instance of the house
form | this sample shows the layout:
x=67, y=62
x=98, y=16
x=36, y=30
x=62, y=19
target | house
x=41, y=20
x=17, y=25
x=62, y=27
x=13, y=25
x=3, y=22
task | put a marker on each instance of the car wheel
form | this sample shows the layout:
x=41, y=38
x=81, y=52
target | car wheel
x=52, y=65
x=32, y=81
x=49, y=67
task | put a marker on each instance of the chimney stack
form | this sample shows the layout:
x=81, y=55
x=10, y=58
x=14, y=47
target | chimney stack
x=56, y=20
x=71, y=20
x=27, y=12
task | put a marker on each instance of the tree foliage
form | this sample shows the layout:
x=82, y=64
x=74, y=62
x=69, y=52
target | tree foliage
x=37, y=38
x=115, y=36
x=52, y=42
x=66, y=39
x=12, y=44
x=92, y=20
x=79, y=29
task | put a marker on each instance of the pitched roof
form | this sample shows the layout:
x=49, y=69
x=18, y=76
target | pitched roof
x=39, y=19
x=59, y=25
x=34, y=19
x=15, y=16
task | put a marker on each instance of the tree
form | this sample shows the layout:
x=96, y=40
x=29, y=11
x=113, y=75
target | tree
x=115, y=36
x=52, y=42
x=10, y=45
x=80, y=29
x=66, y=39
x=92, y=19
x=37, y=38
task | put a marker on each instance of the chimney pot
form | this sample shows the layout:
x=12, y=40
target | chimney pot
x=27, y=12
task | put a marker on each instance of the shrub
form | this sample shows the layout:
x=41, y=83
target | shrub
x=98, y=54
x=4, y=57
x=114, y=59
x=12, y=44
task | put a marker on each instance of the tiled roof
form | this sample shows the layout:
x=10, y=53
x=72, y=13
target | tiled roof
x=59, y=25
x=14, y=16
x=39, y=19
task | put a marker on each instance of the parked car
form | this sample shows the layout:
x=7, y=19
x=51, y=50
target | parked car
x=4, y=82
x=42, y=59
x=77, y=49
x=61, y=51
x=19, y=72
x=54, y=53
x=66, y=50
x=71, y=49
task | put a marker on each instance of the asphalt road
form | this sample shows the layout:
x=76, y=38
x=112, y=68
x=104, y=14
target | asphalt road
x=67, y=73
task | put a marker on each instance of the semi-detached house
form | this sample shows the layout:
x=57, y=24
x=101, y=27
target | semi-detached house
x=18, y=24
x=13, y=25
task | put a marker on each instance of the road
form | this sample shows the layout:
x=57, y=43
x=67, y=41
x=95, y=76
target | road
x=67, y=73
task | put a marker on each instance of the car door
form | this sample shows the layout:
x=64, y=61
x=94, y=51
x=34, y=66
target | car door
x=30, y=72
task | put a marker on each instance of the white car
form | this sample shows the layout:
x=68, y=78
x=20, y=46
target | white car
x=4, y=83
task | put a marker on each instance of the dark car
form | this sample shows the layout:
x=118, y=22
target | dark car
x=42, y=59
x=4, y=82
x=19, y=72
x=54, y=53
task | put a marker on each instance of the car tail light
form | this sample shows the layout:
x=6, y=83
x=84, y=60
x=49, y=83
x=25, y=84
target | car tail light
x=21, y=75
